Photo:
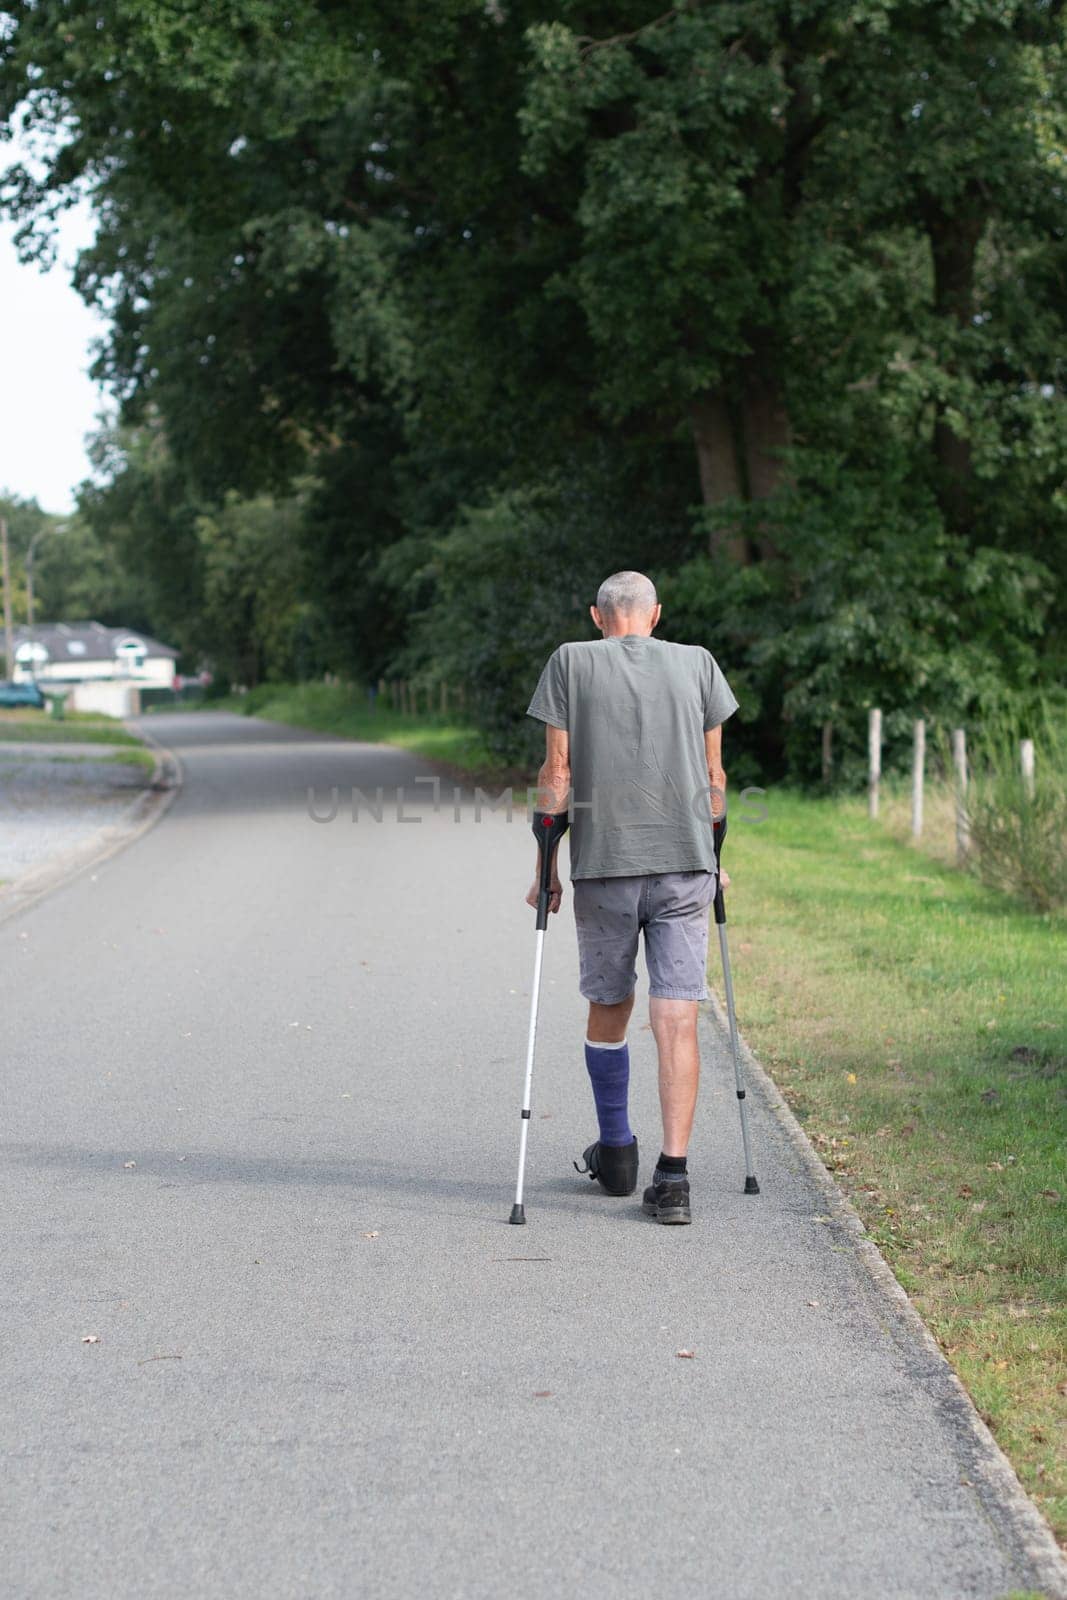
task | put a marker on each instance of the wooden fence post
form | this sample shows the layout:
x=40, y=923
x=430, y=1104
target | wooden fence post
x=874, y=750
x=1026, y=761
x=918, y=773
x=827, y=751
x=963, y=827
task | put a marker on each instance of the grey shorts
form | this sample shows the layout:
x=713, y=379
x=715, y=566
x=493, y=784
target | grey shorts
x=671, y=908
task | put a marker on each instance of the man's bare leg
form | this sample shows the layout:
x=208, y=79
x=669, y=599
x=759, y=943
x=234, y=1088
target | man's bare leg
x=674, y=1027
x=607, y=1024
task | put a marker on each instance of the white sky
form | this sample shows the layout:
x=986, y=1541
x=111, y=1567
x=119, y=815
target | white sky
x=47, y=403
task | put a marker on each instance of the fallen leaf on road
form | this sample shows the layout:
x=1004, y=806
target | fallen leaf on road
x=129, y=1163
x=813, y=1302
x=686, y=1355
x=90, y=1338
x=542, y=1394
x=373, y=1234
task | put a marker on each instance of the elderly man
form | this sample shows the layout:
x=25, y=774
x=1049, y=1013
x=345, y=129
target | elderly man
x=633, y=751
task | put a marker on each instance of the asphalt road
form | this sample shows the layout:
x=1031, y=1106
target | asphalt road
x=261, y=1084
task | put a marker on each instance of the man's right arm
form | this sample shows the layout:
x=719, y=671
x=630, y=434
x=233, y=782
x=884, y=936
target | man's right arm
x=716, y=770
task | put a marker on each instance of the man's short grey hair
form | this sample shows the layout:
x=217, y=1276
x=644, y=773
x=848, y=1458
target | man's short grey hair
x=626, y=594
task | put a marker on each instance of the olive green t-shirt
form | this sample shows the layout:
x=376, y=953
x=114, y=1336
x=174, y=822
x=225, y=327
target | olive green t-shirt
x=636, y=709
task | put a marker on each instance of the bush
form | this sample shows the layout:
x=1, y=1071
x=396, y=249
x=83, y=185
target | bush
x=1020, y=840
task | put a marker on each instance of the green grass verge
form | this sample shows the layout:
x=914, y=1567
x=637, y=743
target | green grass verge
x=916, y=1024
x=344, y=709
x=136, y=757
x=27, y=726
x=140, y=757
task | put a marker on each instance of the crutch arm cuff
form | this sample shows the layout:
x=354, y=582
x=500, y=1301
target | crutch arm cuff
x=548, y=828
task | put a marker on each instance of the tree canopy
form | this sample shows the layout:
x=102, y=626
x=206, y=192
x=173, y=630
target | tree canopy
x=421, y=317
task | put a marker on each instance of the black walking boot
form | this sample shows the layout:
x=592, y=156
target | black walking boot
x=668, y=1202
x=613, y=1166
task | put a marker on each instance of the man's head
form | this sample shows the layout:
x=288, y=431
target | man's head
x=626, y=603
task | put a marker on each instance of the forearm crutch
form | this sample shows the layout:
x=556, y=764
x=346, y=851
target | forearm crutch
x=751, y=1186
x=549, y=829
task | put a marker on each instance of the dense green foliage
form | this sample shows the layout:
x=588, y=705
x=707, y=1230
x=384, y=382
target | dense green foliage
x=425, y=318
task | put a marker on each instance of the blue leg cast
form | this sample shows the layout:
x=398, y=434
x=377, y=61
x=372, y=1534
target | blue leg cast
x=608, y=1066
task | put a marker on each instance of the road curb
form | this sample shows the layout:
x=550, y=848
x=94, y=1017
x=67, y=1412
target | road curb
x=153, y=802
x=1020, y=1525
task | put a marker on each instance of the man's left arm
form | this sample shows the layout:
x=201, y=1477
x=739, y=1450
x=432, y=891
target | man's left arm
x=553, y=792
x=717, y=781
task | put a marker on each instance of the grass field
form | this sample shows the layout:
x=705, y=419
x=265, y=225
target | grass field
x=917, y=1026
x=27, y=726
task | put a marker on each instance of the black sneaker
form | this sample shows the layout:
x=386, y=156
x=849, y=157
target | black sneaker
x=668, y=1202
x=613, y=1166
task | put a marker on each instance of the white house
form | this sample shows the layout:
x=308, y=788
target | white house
x=103, y=668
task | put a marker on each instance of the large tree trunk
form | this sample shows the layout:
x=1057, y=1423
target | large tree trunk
x=954, y=246
x=720, y=475
x=767, y=433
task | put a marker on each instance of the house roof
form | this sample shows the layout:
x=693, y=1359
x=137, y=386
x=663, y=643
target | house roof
x=87, y=641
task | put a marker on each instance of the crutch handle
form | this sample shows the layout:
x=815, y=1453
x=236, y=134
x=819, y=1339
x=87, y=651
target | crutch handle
x=719, y=827
x=548, y=828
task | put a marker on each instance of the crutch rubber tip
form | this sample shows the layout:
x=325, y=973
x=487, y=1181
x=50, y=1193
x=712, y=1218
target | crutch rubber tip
x=751, y=1186
x=518, y=1214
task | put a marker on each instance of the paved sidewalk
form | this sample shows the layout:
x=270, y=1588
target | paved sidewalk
x=53, y=797
x=259, y=1148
